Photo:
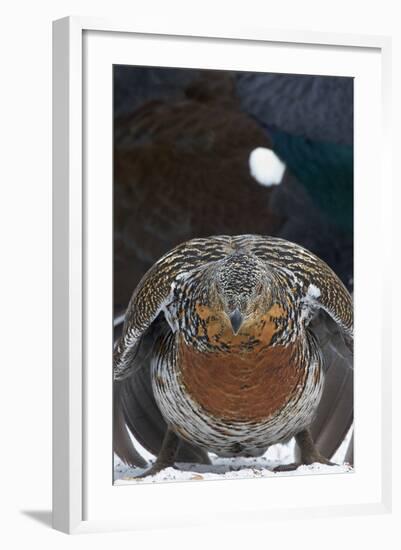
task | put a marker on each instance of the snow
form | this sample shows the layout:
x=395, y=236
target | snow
x=222, y=468
x=265, y=167
x=233, y=468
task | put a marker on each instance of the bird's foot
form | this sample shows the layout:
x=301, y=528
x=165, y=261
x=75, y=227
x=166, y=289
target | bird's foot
x=154, y=469
x=166, y=456
x=286, y=467
x=311, y=458
x=306, y=460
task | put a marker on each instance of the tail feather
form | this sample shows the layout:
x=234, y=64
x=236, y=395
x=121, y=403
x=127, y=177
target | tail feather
x=349, y=455
x=335, y=412
x=123, y=446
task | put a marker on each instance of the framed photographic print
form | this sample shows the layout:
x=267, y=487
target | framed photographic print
x=216, y=205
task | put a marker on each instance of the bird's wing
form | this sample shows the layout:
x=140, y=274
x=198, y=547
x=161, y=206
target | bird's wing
x=136, y=410
x=316, y=285
x=155, y=291
x=335, y=412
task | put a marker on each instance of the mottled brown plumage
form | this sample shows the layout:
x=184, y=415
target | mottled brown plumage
x=247, y=389
x=236, y=365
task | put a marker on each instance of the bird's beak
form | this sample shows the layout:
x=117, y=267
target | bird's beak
x=236, y=320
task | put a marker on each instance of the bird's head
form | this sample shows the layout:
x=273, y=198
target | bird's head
x=241, y=289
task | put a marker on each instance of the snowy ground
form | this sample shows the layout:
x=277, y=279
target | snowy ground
x=233, y=468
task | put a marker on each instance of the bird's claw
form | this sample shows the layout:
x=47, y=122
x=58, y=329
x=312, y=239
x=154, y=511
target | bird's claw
x=153, y=470
x=320, y=459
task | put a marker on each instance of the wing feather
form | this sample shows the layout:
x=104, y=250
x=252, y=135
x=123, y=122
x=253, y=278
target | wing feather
x=154, y=291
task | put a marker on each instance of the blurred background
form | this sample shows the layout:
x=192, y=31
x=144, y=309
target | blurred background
x=184, y=167
x=182, y=141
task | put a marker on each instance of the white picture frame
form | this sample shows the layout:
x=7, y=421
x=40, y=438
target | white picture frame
x=80, y=486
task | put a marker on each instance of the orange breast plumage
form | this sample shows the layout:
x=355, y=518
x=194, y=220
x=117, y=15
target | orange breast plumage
x=248, y=386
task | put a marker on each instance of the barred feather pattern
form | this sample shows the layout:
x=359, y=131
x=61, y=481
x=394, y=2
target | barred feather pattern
x=286, y=286
x=235, y=438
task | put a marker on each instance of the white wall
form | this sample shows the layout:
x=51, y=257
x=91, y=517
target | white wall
x=25, y=219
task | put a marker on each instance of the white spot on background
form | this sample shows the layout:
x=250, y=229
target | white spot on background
x=265, y=167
